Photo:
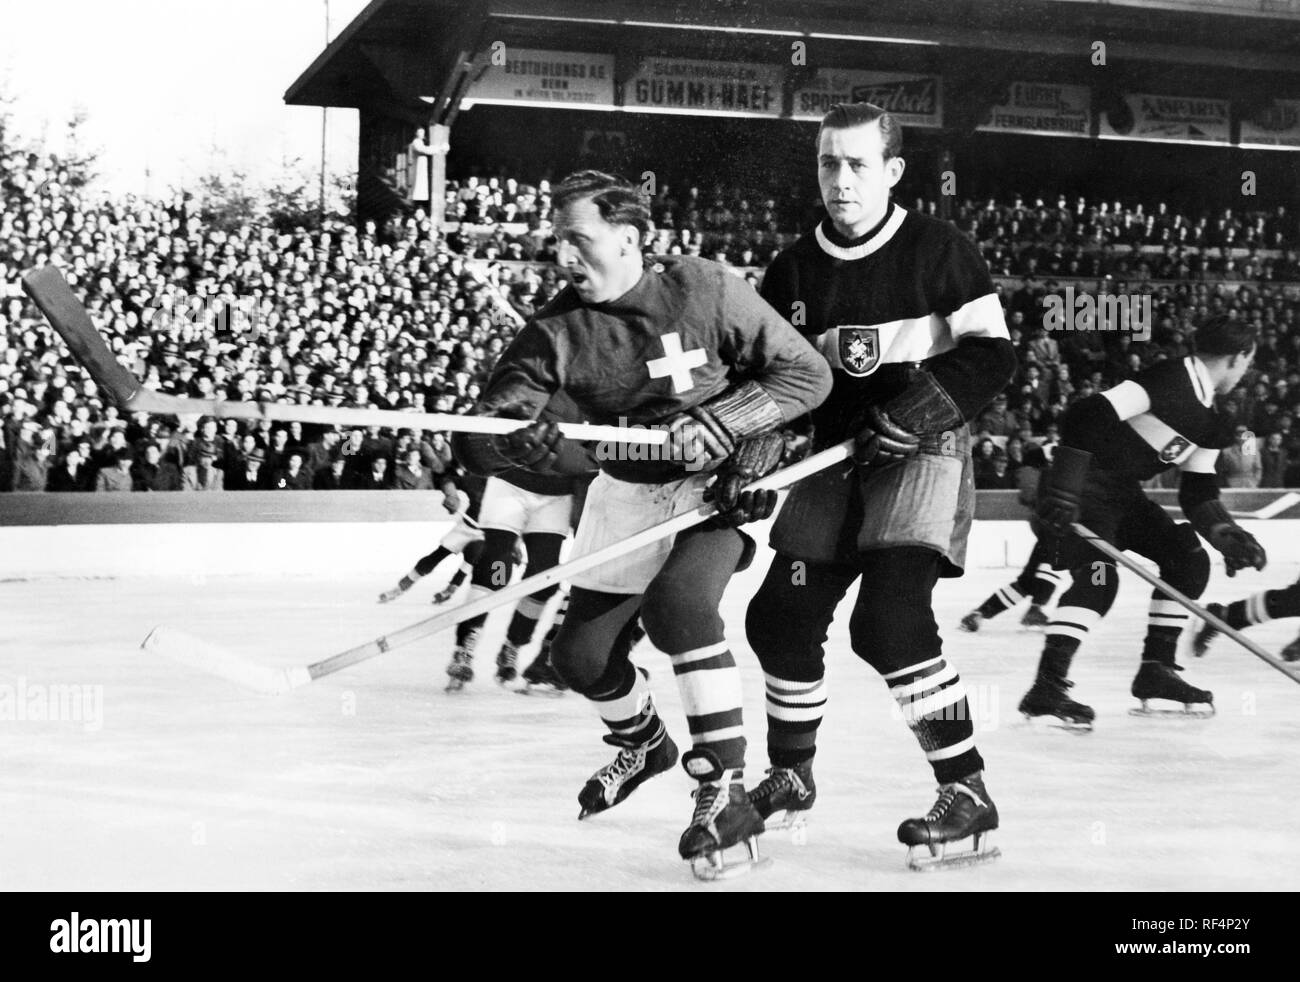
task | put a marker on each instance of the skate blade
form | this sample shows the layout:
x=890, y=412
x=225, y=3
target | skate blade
x=545, y=691
x=1045, y=723
x=713, y=866
x=791, y=821
x=455, y=685
x=928, y=859
x=1191, y=710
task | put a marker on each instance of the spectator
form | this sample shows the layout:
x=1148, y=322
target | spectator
x=331, y=477
x=118, y=476
x=997, y=420
x=247, y=477
x=151, y=473
x=1239, y=465
x=31, y=457
x=1274, y=462
x=204, y=474
x=292, y=476
x=375, y=479
x=411, y=474
x=72, y=474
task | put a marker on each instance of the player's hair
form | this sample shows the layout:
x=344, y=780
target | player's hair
x=1222, y=336
x=845, y=115
x=619, y=201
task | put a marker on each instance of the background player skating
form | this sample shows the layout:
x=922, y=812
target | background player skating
x=1110, y=442
x=1260, y=608
x=903, y=309
x=1037, y=581
x=685, y=344
x=465, y=538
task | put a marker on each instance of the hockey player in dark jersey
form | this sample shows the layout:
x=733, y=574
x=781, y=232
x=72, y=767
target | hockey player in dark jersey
x=685, y=344
x=903, y=309
x=1110, y=442
x=1037, y=581
x=465, y=538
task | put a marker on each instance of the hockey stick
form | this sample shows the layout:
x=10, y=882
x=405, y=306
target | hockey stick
x=1217, y=623
x=51, y=293
x=273, y=681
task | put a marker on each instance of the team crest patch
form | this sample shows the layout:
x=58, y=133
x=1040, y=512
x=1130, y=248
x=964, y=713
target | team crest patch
x=1174, y=449
x=859, y=349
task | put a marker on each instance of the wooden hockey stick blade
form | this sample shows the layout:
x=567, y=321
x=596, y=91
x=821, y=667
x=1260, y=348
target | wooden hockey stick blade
x=272, y=680
x=1217, y=623
x=199, y=654
x=51, y=293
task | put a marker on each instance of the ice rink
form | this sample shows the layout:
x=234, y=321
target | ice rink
x=375, y=779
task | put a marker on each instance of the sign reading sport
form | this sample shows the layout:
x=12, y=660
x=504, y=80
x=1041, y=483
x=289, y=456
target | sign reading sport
x=916, y=100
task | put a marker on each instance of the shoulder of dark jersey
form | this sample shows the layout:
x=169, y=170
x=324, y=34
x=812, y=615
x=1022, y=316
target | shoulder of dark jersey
x=936, y=233
x=690, y=271
x=559, y=305
x=1166, y=376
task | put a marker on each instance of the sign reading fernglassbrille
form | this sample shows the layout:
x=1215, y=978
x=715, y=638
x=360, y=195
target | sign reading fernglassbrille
x=689, y=85
x=1274, y=125
x=557, y=78
x=915, y=100
x=1043, y=108
x=1143, y=116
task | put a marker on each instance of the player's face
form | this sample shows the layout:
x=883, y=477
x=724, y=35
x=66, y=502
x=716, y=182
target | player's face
x=855, y=177
x=602, y=261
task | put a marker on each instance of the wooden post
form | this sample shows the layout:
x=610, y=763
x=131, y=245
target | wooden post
x=440, y=139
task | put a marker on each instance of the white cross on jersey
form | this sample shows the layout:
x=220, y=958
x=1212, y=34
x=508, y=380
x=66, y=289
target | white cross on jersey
x=676, y=363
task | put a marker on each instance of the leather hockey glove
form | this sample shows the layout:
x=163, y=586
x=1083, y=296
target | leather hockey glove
x=709, y=432
x=881, y=441
x=1240, y=549
x=753, y=458
x=1061, y=491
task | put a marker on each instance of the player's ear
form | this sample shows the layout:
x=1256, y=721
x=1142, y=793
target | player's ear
x=894, y=168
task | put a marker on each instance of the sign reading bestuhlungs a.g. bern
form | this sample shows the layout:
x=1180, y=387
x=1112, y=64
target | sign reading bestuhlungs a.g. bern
x=530, y=77
x=689, y=85
x=1041, y=108
x=915, y=100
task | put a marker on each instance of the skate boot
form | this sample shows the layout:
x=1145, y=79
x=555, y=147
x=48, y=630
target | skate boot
x=542, y=679
x=1034, y=617
x=785, y=788
x=506, y=659
x=388, y=596
x=1206, y=633
x=723, y=817
x=446, y=593
x=963, y=810
x=635, y=764
x=971, y=622
x=1155, y=680
x=461, y=668
x=1292, y=651
x=1047, y=697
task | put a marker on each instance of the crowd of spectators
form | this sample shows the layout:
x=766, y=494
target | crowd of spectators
x=398, y=318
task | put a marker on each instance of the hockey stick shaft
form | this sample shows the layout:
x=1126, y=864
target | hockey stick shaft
x=1217, y=623
x=439, y=622
x=51, y=293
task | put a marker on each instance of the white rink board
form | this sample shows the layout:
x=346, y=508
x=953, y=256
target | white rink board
x=373, y=778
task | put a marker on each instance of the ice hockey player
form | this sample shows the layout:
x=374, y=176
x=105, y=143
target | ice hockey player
x=1260, y=608
x=465, y=538
x=1110, y=442
x=902, y=308
x=680, y=343
x=1037, y=581
x=537, y=509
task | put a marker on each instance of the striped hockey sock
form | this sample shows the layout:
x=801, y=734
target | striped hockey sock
x=933, y=702
x=1003, y=599
x=711, y=695
x=1252, y=610
x=1046, y=582
x=794, y=712
x=524, y=622
x=628, y=709
x=1165, y=622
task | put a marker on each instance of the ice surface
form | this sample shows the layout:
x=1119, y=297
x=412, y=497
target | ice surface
x=374, y=778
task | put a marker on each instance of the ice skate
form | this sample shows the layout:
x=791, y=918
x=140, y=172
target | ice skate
x=542, y=679
x=1292, y=651
x=507, y=657
x=1034, y=618
x=635, y=764
x=971, y=622
x=1155, y=680
x=963, y=810
x=1047, y=698
x=788, y=789
x=446, y=593
x=388, y=596
x=1206, y=633
x=461, y=668
x=723, y=817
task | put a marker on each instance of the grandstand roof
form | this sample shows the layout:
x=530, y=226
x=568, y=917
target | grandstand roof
x=411, y=48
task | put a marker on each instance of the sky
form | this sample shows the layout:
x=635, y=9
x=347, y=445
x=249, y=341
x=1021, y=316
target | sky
x=164, y=82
